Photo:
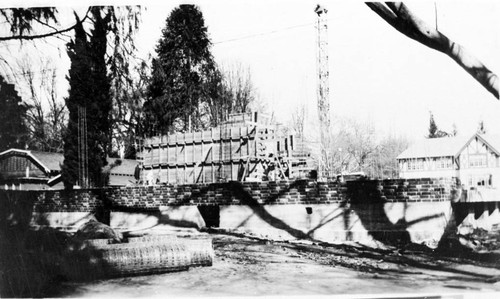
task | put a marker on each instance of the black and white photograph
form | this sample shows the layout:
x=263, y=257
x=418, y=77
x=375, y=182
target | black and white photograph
x=218, y=148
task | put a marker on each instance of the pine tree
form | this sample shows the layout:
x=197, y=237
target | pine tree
x=454, y=131
x=480, y=128
x=100, y=102
x=432, y=127
x=13, y=130
x=434, y=131
x=79, y=82
x=180, y=72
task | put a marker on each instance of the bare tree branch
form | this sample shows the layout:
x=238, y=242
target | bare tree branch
x=43, y=35
x=383, y=12
x=53, y=28
x=402, y=19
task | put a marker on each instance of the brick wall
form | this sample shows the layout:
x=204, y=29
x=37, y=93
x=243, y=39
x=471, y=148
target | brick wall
x=283, y=192
x=57, y=209
x=73, y=201
x=327, y=211
x=236, y=193
x=54, y=201
x=403, y=190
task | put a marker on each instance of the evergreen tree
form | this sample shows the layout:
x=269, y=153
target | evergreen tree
x=454, y=131
x=179, y=73
x=79, y=83
x=432, y=127
x=89, y=89
x=13, y=129
x=21, y=20
x=100, y=103
x=480, y=128
x=434, y=131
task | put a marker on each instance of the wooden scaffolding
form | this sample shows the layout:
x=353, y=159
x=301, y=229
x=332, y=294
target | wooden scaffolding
x=246, y=147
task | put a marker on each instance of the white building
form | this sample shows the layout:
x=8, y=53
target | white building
x=475, y=160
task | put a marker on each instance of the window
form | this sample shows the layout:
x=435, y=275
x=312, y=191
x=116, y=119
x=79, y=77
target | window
x=416, y=164
x=477, y=161
x=481, y=180
x=444, y=163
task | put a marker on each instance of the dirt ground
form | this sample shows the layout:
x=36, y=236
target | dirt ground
x=248, y=266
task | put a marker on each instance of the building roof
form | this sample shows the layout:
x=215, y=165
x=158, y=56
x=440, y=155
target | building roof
x=52, y=161
x=445, y=147
x=46, y=161
x=121, y=180
x=493, y=140
x=127, y=166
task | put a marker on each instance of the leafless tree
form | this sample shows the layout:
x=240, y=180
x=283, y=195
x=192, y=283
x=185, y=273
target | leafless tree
x=351, y=146
x=127, y=113
x=47, y=113
x=298, y=121
x=382, y=163
x=358, y=141
x=238, y=82
x=233, y=92
x=356, y=147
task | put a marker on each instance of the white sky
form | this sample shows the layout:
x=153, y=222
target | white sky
x=376, y=73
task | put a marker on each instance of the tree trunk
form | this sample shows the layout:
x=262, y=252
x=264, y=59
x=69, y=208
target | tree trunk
x=401, y=18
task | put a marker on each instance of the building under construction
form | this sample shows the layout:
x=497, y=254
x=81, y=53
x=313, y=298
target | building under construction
x=247, y=147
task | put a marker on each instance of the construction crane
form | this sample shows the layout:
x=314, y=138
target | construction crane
x=323, y=90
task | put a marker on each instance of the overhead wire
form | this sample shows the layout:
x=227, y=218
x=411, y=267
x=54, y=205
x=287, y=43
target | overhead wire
x=235, y=39
x=263, y=33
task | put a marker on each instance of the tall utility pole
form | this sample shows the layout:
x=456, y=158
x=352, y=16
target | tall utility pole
x=83, y=164
x=323, y=93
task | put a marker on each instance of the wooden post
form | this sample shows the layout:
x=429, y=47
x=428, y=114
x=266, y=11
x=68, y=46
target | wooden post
x=202, y=163
x=176, y=154
x=168, y=161
x=241, y=145
x=221, y=153
x=193, y=156
x=289, y=155
x=166, y=173
x=212, y=154
x=248, y=141
x=231, y=153
x=185, y=156
x=159, y=152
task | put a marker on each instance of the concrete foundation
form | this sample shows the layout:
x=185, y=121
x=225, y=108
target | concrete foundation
x=417, y=222
x=67, y=221
x=130, y=221
x=182, y=216
x=418, y=210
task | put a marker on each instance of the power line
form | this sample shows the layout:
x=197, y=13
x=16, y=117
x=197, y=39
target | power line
x=43, y=71
x=263, y=33
x=267, y=33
